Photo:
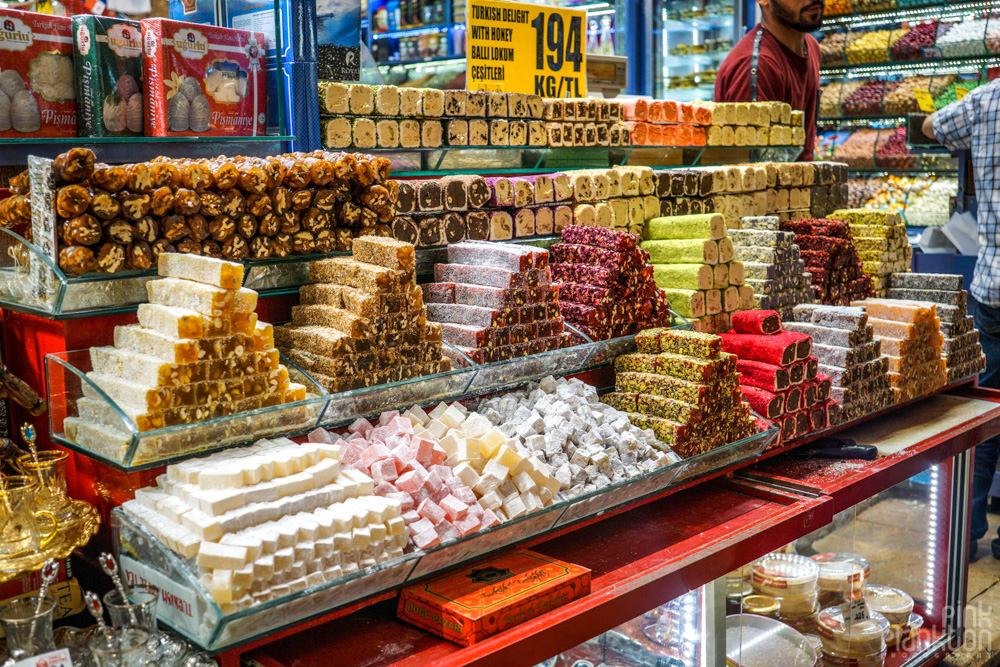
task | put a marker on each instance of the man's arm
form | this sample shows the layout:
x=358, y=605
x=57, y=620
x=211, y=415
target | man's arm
x=928, y=126
x=952, y=125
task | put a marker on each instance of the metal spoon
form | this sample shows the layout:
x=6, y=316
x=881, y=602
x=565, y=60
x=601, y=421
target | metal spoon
x=49, y=574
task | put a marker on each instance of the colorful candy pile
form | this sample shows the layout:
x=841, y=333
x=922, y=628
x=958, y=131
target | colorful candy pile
x=961, y=349
x=772, y=265
x=684, y=387
x=606, y=288
x=496, y=301
x=848, y=354
x=831, y=258
x=909, y=332
x=779, y=374
x=362, y=322
x=880, y=237
x=692, y=260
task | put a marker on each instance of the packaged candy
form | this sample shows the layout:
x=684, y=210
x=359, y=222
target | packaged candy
x=203, y=80
x=107, y=57
x=37, y=84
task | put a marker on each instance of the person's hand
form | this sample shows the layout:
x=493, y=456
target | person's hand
x=928, y=127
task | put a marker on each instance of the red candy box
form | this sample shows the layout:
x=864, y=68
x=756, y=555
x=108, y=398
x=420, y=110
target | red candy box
x=37, y=81
x=202, y=80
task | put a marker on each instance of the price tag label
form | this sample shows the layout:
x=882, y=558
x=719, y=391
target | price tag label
x=961, y=92
x=924, y=99
x=855, y=611
x=58, y=658
x=521, y=48
x=177, y=605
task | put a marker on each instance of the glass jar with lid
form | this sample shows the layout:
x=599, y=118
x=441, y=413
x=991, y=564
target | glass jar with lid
x=851, y=640
x=840, y=575
x=894, y=604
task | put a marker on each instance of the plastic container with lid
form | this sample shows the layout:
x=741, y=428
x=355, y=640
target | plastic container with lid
x=840, y=574
x=861, y=638
x=760, y=605
x=833, y=659
x=785, y=575
x=901, y=633
x=894, y=604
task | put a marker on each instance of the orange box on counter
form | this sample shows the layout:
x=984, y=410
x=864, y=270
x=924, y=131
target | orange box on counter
x=485, y=599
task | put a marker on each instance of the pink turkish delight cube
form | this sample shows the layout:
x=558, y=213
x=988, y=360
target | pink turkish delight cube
x=426, y=539
x=488, y=519
x=387, y=417
x=454, y=508
x=455, y=483
x=384, y=470
x=424, y=449
x=321, y=435
x=410, y=482
x=446, y=531
x=405, y=499
x=360, y=425
x=420, y=526
x=440, y=494
x=351, y=453
x=394, y=441
x=438, y=455
x=466, y=495
x=467, y=525
x=431, y=511
x=433, y=482
x=376, y=452
x=444, y=472
x=410, y=516
x=384, y=489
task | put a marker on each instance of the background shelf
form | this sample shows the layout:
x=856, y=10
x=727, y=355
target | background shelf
x=136, y=149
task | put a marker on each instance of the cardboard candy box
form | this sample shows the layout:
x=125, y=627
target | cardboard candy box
x=203, y=80
x=37, y=83
x=108, y=59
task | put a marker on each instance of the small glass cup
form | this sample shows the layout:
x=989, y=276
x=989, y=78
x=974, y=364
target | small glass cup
x=126, y=647
x=28, y=633
x=140, y=610
x=49, y=470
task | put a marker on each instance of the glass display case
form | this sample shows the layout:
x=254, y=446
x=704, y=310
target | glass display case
x=690, y=41
x=899, y=550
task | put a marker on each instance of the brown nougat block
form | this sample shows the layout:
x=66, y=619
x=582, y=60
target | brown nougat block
x=316, y=339
x=267, y=361
x=385, y=252
x=360, y=275
x=331, y=316
x=340, y=296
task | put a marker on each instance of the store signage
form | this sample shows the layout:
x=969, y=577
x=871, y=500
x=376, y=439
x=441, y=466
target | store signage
x=59, y=658
x=924, y=99
x=521, y=48
x=177, y=602
x=961, y=92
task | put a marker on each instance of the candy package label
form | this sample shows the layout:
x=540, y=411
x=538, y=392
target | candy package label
x=338, y=37
x=37, y=82
x=108, y=61
x=203, y=80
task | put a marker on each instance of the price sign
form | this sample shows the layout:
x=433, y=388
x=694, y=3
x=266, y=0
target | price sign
x=59, y=658
x=520, y=48
x=961, y=92
x=924, y=99
x=855, y=611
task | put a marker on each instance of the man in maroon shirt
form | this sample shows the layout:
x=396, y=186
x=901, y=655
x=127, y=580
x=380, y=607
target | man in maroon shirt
x=787, y=67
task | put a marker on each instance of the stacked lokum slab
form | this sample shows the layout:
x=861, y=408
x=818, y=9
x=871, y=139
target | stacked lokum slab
x=270, y=519
x=910, y=337
x=198, y=352
x=437, y=505
x=693, y=262
x=778, y=374
x=831, y=259
x=880, y=237
x=790, y=191
x=362, y=322
x=496, y=301
x=451, y=209
x=685, y=388
x=849, y=355
x=588, y=444
x=961, y=349
x=605, y=287
x=363, y=116
x=772, y=265
x=670, y=123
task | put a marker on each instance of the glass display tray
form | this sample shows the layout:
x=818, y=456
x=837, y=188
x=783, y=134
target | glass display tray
x=128, y=449
x=31, y=282
x=115, y=150
x=66, y=380
x=206, y=626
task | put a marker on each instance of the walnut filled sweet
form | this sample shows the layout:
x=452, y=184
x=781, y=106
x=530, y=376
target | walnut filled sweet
x=231, y=208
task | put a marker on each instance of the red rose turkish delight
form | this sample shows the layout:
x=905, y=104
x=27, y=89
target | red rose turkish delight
x=203, y=80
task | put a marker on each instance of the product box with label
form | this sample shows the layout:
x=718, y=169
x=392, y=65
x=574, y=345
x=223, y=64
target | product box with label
x=338, y=39
x=485, y=599
x=208, y=12
x=37, y=82
x=301, y=97
x=203, y=80
x=298, y=26
x=108, y=60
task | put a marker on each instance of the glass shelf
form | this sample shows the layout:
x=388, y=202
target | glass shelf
x=925, y=10
x=208, y=627
x=136, y=149
x=128, y=449
x=119, y=443
x=939, y=65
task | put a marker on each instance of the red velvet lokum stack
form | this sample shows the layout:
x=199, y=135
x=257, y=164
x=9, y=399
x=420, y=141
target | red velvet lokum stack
x=606, y=286
x=832, y=259
x=496, y=301
x=778, y=374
